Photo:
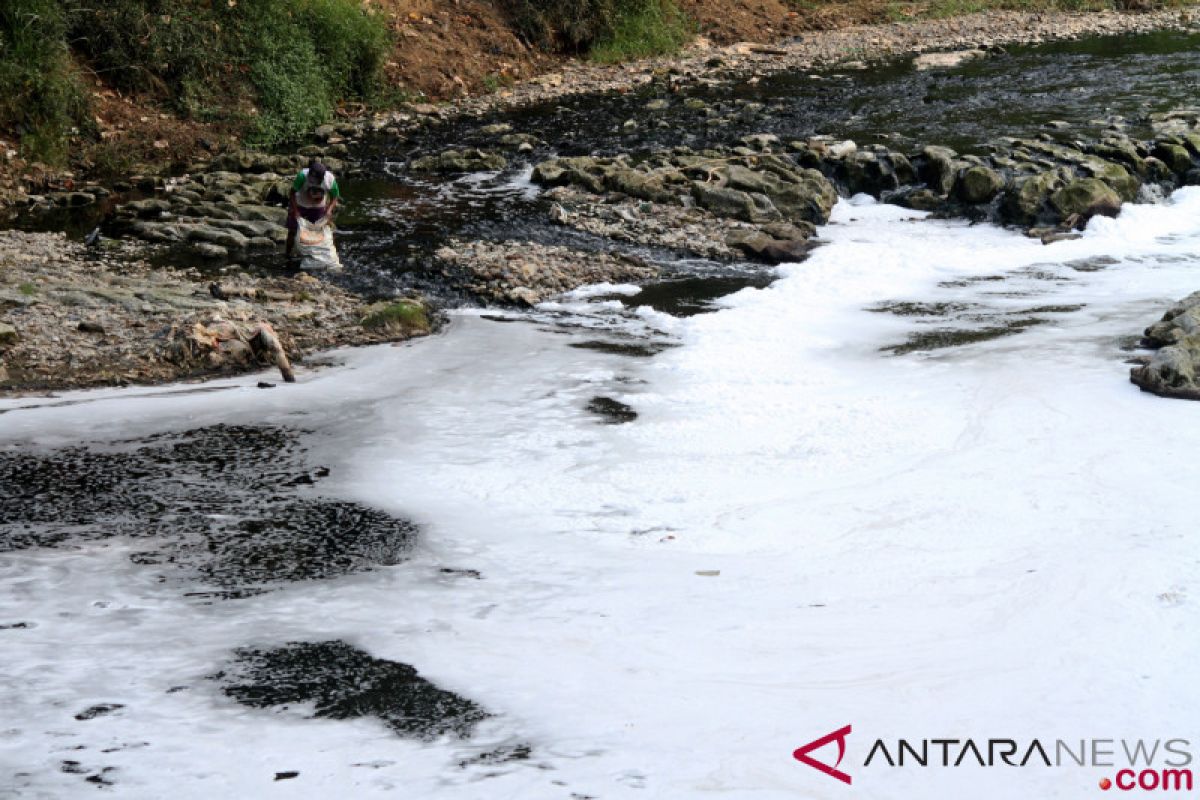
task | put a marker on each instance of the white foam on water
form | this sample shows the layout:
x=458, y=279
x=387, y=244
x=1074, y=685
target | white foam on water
x=990, y=540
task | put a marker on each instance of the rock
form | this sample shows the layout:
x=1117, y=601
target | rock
x=149, y=208
x=228, y=239
x=946, y=60
x=726, y=202
x=325, y=132
x=258, y=213
x=920, y=200
x=1115, y=176
x=461, y=161
x=8, y=335
x=841, y=149
x=658, y=105
x=976, y=185
x=1156, y=171
x=1170, y=373
x=1086, y=197
x=936, y=168
x=788, y=230
x=768, y=249
x=88, y=326
x=209, y=250
x=1025, y=200
x=523, y=295
x=638, y=184
x=865, y=172
x=805, y=194
x=1176, y=157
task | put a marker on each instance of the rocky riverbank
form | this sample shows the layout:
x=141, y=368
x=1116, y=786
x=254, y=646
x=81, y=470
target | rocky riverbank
x=853, y=48
x=73, y=316
x=1174, y=369
x=757, y=197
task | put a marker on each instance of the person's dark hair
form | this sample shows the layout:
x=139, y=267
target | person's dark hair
x=316, y=173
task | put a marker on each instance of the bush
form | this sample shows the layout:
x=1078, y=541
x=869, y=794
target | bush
x=41, y=98
x=643, y=29
x=610, y=29
x=294, y=60
x=567, y=25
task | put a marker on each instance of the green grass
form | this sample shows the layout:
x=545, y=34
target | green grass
x=281, y=66
x=402, y=317
x=643, y=28
x=27, y=289
x=40, y=96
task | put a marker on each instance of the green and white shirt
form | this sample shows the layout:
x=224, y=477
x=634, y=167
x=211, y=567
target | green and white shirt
x=329, y=185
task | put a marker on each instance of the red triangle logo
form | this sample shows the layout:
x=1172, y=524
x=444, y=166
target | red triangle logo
x=802, y=754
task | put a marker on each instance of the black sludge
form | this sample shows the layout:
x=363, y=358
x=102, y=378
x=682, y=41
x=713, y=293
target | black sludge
x=229, y=505
x=344, y=682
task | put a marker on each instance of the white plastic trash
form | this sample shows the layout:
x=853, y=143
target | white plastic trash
x=314, y=245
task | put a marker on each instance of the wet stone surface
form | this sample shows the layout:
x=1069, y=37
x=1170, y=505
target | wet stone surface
x=343, y=682
x=943, y=338
x=610, y=411
x=225, y=505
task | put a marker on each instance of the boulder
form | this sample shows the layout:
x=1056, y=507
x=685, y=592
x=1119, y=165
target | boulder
x=461, y=161
x=978, y=184
x=865, y=172
x=1025, y=200
x=804, y=195
x=1115, y=176
x=936, y=168
x=945, y=60
x=727, y=202
x=8, y=335
x=920, y=200
x=766, y=248
x=1086, y=197
x=228, y=239
x=640, y=185
x=1176, y=157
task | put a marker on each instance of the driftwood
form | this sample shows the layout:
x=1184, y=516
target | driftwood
x=265, y=342
x=219, y=343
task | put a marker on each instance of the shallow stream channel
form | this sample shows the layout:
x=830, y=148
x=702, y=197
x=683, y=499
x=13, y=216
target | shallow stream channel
x=642, y=540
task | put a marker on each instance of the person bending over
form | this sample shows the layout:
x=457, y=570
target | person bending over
x=314, y=196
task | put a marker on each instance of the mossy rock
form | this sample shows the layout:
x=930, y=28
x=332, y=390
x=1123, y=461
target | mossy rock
x=1086, y=197
x=1024, y=200
x=1174, y=156
x=1115, y=176
x=406, y=317
x=8, y=335
x=978, y=185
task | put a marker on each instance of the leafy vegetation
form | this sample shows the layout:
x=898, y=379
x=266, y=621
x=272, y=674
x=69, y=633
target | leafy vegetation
x=40, y=96
x=609, y=29
x=281, y=65
x=643, y=29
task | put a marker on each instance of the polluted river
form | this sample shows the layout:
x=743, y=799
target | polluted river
x=644, y=539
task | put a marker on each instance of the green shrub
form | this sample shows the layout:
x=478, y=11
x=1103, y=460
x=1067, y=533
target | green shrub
x=610, y=29
x=294, y=59
x=568, y=25
x=41, y=99
x=403, y=317
x=642, y=29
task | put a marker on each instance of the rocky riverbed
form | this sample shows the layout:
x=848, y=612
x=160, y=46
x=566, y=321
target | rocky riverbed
x=74, y=316
x=740, y=193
